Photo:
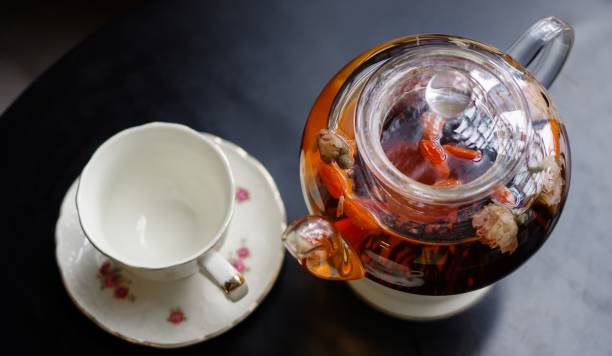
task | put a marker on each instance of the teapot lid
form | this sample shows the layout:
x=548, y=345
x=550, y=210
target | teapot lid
x=457, y=93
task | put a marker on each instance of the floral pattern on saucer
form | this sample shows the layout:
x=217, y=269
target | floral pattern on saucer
x=238, y=258
x=190, y=310
x=111, y=277
x=176, y=316
x=242, y=195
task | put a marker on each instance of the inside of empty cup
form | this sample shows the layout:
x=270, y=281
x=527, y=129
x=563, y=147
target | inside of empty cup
x=155, y=196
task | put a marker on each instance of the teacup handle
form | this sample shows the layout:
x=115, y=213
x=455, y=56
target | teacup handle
x=544, y=48
x=224, y=275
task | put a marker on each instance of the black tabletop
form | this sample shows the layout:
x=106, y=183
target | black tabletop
x=248, y=71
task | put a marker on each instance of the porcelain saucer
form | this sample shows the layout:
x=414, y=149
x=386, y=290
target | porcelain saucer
x=187, y=311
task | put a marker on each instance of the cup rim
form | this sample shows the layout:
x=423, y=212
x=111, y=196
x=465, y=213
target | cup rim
x=226, y=169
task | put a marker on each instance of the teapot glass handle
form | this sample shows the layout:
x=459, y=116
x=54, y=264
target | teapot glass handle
x=543, y=48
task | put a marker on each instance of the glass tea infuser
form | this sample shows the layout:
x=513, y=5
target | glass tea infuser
x=432, y=166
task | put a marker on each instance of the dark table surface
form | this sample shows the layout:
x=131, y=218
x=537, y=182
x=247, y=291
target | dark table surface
x=248, y=71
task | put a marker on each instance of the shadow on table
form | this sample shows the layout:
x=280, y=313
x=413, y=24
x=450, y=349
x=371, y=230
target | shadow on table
x=307, y=316
x=347, y=325
x=303, y=315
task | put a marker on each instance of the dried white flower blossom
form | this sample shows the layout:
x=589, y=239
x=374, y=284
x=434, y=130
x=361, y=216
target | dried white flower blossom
x=552, y=182
x=345, y=161
x=496, y=227
x=333, y=148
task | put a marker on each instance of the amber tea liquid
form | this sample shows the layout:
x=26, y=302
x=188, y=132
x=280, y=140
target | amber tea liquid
x=415, y=255
x=421, y=248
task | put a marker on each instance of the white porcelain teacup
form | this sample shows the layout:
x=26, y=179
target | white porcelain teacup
x=158, y=199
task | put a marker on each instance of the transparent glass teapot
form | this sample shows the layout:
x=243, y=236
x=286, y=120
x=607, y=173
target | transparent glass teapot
x=435, y=164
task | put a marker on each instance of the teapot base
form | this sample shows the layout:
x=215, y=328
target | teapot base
x=413, y=306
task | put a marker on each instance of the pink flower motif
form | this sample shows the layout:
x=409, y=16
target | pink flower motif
x=111, y=280
x=242, y=195
x=104, y=268
x=111, y=277
x=176, y=316
x=121, y=292
x=243, y=252
x=239, y=265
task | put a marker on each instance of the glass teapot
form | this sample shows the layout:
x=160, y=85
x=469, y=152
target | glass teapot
x=434, y=164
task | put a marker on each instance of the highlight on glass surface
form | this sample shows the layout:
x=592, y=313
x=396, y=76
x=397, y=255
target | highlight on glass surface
x=434, y=164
